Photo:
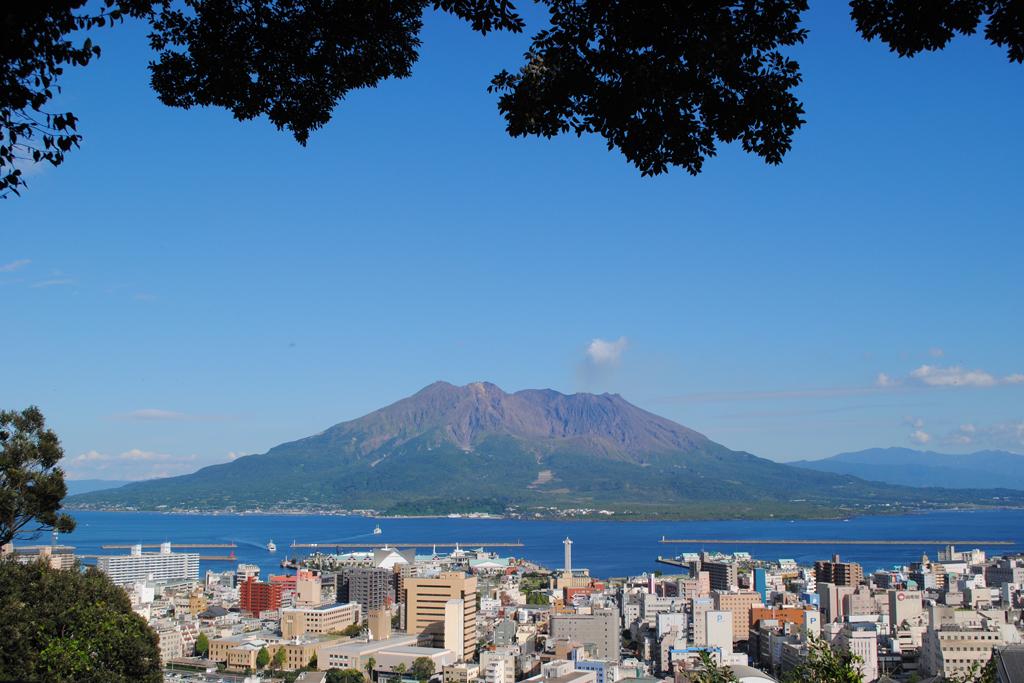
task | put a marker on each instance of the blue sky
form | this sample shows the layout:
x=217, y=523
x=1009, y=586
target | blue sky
x=187, y=288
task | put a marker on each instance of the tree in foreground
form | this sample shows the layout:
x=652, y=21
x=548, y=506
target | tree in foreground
x=664, y=83
x=825, y=665
x=31, y=484
x=422, y=668
x=202, y=645
x=711, y=672
x=277, y=661
x=61, y=625
x=344, y=676
x=977, y=673
x=262, y=658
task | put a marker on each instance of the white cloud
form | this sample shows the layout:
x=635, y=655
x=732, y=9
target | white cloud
x=951, y=376
x=602, y=352
x=14, y=265
x=920, y=436
x=1001, y=435
x=90, y=456
x=131, y=464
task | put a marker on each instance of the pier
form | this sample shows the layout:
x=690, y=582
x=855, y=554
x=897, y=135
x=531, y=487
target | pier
x=825, y=541
x=364, y=546
x=129, y=546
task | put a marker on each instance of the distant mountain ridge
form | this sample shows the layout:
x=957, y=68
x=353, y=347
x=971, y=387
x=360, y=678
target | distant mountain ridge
x=453, y=448
x=912, y=467
x=76, y=486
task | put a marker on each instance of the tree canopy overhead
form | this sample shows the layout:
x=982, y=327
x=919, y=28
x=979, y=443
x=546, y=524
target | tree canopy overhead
x=665, y=83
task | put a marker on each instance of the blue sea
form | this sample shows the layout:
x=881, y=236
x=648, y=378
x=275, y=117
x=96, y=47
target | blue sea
x=607, y=548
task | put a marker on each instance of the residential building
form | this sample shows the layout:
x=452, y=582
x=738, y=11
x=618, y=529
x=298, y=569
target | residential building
x=387, y=654
x=723, y=574
x=325, y=619
x=740, y=603
x=950, y=650
x=598, y=631
x=255, y=596
x=498, y=664
x=839, y=573
x=369, y=586
x=164, y=565
x=862, y=640
x=461, y=672
x=57, y=556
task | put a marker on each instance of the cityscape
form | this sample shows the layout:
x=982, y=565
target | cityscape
x=464, y=614
x=498, y=341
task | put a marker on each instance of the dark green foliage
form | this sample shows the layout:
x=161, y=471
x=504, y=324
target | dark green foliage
x=710, y=672
x=31, y=485
x=262, y=658
x=977, y=673
x=665, y=82
x=61, y=625
x=290, y=61
x=825, y=665
x=911, y=26
x=422, y=668
x=537, y=598
x=352, y=630
x=278, y=659
x=344, y=676
x=662, y=82
x=202, y=645
x=36, y=45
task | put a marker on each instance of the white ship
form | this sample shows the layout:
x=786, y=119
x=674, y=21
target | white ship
x=271, y=546
x=377, y=531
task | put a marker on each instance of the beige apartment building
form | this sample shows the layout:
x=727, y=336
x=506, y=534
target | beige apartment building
x=426, y=608
x=239, y=653
x=954, y=649
x=301, y=621
x=740, y=603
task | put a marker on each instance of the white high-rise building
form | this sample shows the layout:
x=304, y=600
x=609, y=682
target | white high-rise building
x=160, y=566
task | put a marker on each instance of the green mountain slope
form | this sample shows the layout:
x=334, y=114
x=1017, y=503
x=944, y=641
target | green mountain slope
x=476, y=448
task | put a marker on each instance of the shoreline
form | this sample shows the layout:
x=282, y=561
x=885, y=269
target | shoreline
x=552, y=518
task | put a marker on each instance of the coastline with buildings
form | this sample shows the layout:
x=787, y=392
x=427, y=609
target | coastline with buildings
x=637, y=544
x=473, y=615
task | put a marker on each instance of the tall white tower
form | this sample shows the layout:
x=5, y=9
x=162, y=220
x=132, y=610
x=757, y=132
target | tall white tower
x=567, y=568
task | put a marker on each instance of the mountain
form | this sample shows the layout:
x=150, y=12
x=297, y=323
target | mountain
x=477, y=448
x=927, y=468
x=77, y=486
